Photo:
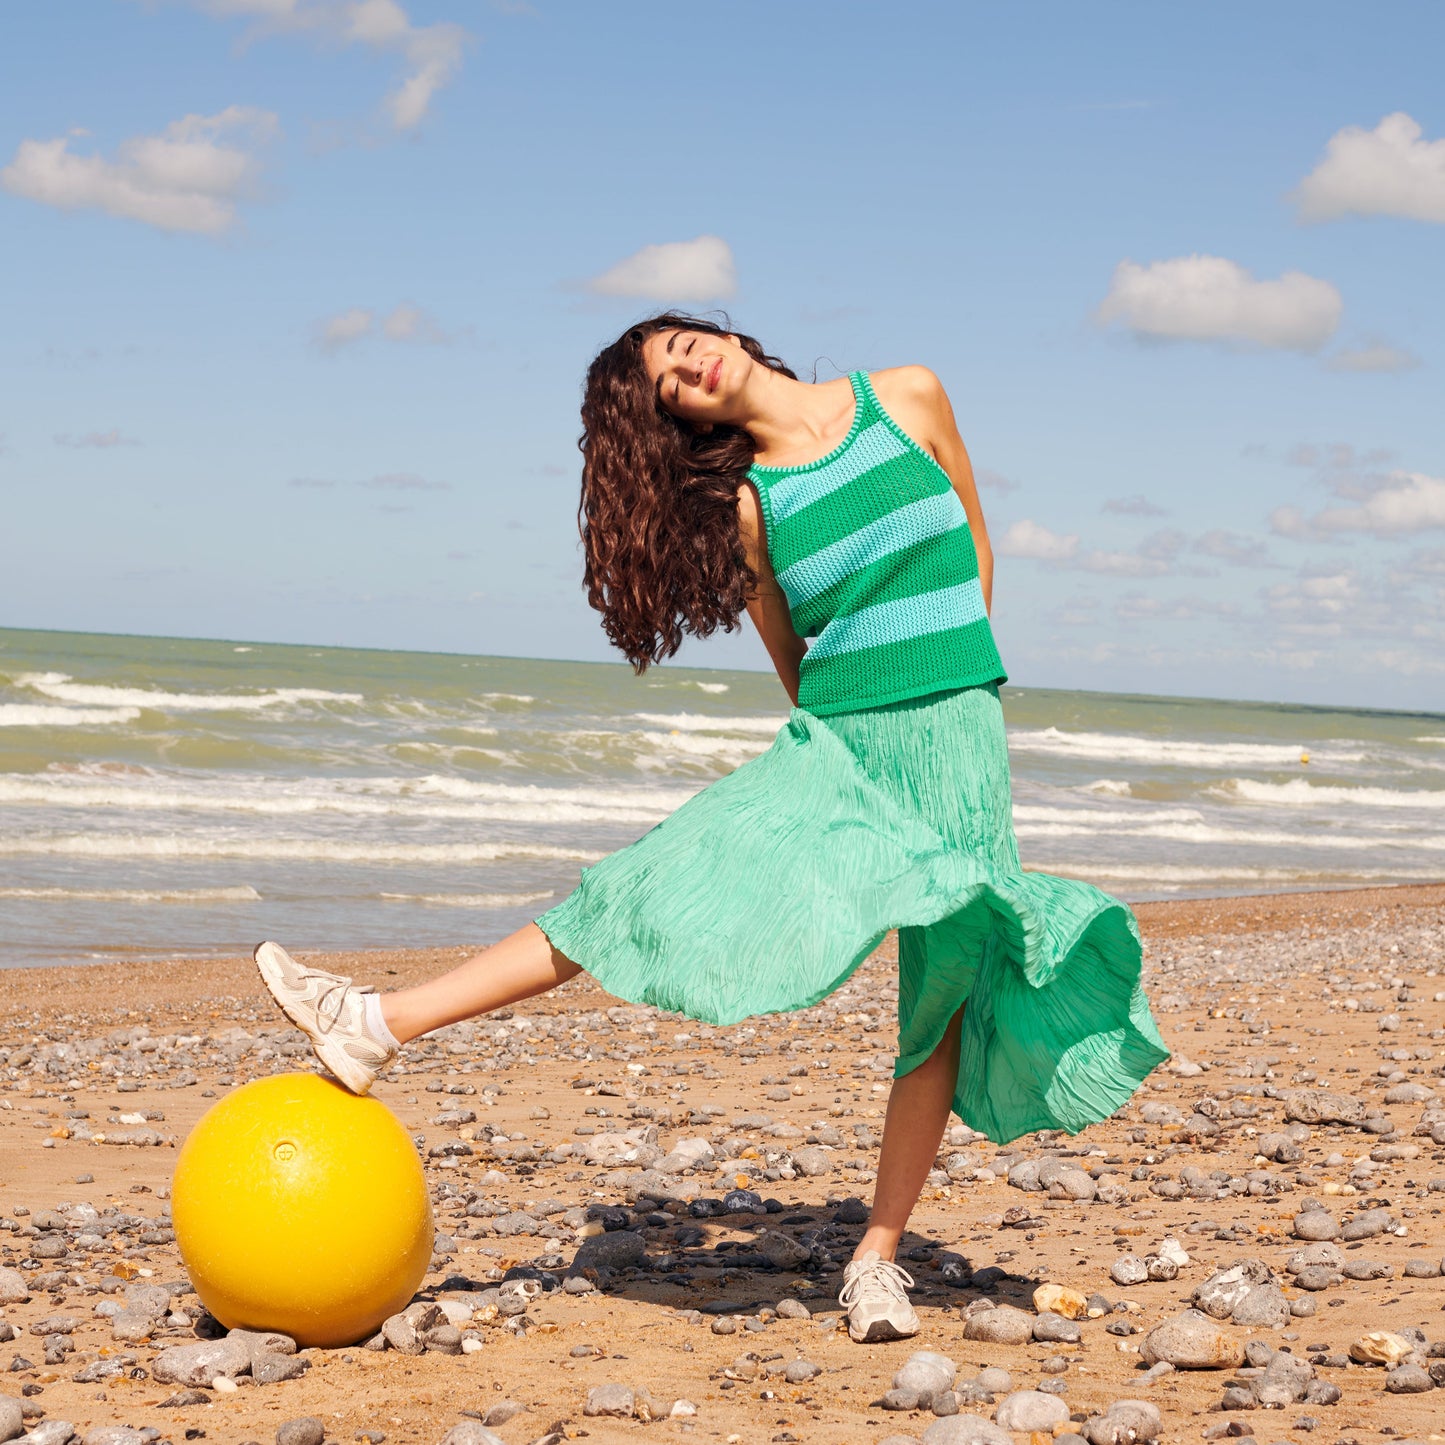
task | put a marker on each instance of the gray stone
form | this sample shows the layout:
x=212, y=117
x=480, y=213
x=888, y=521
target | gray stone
x=1226, y=1288
x=1050, y=1328
x=272, y=1369
x=1124, y=1423
x=472, y=1432
x=263, y=1342
x=793, y=1309
x=1367, y=1269
x=1284, y=1381
x=1408, y=1380
x=1191, y=1341
x=925, y=1373
x=995, y=1379
x=1331, y=1256
x=114, y=1435
x=781, y=1250
x=812, y=1161
x=154, y=1299
x=1318, y=1106
x=610, y=1399
x=1128, y=1269
x=13, y=1289
x=966, y=1430
x=1368, y=1223
x=1074, y=1184
x=1316, y=1277
x=1004, y=1325
x=303, y=1430
x=1025, y=1175
x=501, y=1412
x=132, y=1326
x=12, y=1418
x=401, y=1334
x=620, y=1249
x=1029, y=1410
x=899, y=1400
x=202, y=1362
x=799, y=1372
x=1265, y=1306
x=1316, y=1224
x=51, y=1432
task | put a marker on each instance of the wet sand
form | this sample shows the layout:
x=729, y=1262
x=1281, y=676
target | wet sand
x=1256, y=996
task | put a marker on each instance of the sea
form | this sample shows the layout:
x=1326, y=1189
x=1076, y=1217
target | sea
x=168, y=798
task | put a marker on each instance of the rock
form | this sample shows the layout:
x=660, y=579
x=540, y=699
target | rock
x=851, y=1211
x=1408, y=1380
x=1284, y=1381
x=1055, y=1329
x=1030, y=1410
x=132, y=1326
x=1060, y=1300
x=1226, y=1288
x=1317, y=1106
x=1368, y=1223
x=273, y=1369
x=793, y=1309
x=1330, y=1256
x=610, y=1399
x=781, y=1250
x=263, y=1342
x=12, y=1418
x=799, y=1372
x=1380, y=1347
x=1316, y=1277
x=1191, y=1341
x=1124, y=1423
x=114, y=1435
x=202, y=1362
x=51, y=1432
x=1128, y=1269
x=966, y=1430
x=1160, y=1268
x=621, y=1249
x=898, y=1400
x=473, y=1432
x=1367, y=1269
x=1074, y=1184
x=812, y=1161
x=1171, y=1249
x=303, y=1430
x=994, y=1379
x=1316, y=1224
x=1004, y=1325
x=1263, y=1307
x=925, y=1373
x=401, y=1334
x=13, y=1289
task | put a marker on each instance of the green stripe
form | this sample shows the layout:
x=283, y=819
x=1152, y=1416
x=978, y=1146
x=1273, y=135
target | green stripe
x=957, y=658
x=830, y=519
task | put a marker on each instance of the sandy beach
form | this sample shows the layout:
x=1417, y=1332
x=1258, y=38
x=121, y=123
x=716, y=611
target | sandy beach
x=540, y=1124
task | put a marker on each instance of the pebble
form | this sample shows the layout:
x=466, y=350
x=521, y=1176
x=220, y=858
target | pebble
x=1003, y=1325
x=304, y=1430
x=966, y=1430
x=472, y=1432
x=925, y=1373
x=1030, y=1410
x=1128, y=1269
x=611, y=1399
x=1191, y=1341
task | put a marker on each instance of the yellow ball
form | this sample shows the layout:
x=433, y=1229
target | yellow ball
x=302, y=1208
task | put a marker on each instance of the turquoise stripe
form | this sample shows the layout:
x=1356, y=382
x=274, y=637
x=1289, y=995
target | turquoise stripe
x=873, y=446
x=908, y=617
x=904, y=527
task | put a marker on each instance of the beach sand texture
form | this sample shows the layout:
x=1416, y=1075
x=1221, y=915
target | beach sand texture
x=1258, y=997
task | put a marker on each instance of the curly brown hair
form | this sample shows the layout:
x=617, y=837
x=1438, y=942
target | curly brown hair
x=659, y=510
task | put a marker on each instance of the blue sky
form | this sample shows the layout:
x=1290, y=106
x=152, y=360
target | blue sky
x=298, y=296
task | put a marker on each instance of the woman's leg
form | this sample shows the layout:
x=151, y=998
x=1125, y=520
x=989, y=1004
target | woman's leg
x=912, y=1130
x=520, y=966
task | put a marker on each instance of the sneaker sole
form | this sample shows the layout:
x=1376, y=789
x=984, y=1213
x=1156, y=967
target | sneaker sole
x=356, y=1077
x=879, y=1331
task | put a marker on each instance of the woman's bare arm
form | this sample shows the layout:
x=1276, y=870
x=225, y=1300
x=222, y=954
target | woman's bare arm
x=916, y=400
x=768, y=607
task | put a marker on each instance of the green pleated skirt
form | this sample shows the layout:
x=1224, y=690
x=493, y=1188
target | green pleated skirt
x=765, y=891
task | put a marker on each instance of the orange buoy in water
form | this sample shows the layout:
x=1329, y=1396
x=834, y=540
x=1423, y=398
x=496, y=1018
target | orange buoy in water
x=302, y=1208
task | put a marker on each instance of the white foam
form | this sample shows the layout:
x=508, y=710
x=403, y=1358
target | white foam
x=1110, y=787
x=1175, y=875
x=1188, y=752
x=470, y=900
x=241, y=893
x=195, y=845
x=1301, y=794
x=40, y=715
x=711, y=686
x=1263, y=837
x=1429, y=738
x=692, y=722
x=1112, y=818
x=59, y=686
x=729, y=751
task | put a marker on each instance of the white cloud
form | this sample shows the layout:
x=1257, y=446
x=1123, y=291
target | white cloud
x=1404, y=503
x=101, y=440
x=1135, y=506
x=1376, y=356
x=1388, y=171
x=432, y=53
x=698, y=270
x=1316, y=598
x=1233, y=548
x=1029, y=539
x=185, y=179
x=404, y=482
x=1209, y=298
x=405, y=323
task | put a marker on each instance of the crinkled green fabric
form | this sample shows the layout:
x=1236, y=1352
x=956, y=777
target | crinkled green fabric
x=766, y=890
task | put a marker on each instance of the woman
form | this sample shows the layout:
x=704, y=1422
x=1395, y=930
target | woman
x=714, y=481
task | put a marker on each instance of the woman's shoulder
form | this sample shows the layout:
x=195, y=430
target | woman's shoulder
x=914, y=384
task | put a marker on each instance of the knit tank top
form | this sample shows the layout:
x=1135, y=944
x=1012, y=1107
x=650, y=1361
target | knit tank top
x=872, y=549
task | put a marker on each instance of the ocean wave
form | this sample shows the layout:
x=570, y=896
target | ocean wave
x=1299, y=793
x=1177, y=876
x=1111, y=817
x=1263, y=837
x=59, y=685
x=241, y=893
x=1131, y=748
x=692, y=722
x=470, y=900
x=433, y=796
x=42, y=715
x=728, y=751
x=325, y=850
x=1111, y=787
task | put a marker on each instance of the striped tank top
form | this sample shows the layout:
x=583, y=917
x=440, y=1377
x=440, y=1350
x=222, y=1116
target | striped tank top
x=872, y=549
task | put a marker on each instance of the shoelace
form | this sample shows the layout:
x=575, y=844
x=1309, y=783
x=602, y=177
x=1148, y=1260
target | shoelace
x=884, y=1273
x=338, y=987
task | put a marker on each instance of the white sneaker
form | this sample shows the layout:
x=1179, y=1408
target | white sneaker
x=329, y=1010
x=878, y=1309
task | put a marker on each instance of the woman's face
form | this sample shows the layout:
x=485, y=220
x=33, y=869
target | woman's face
x=697, y=376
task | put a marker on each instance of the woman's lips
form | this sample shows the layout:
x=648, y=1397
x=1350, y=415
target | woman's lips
x=714, y=374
